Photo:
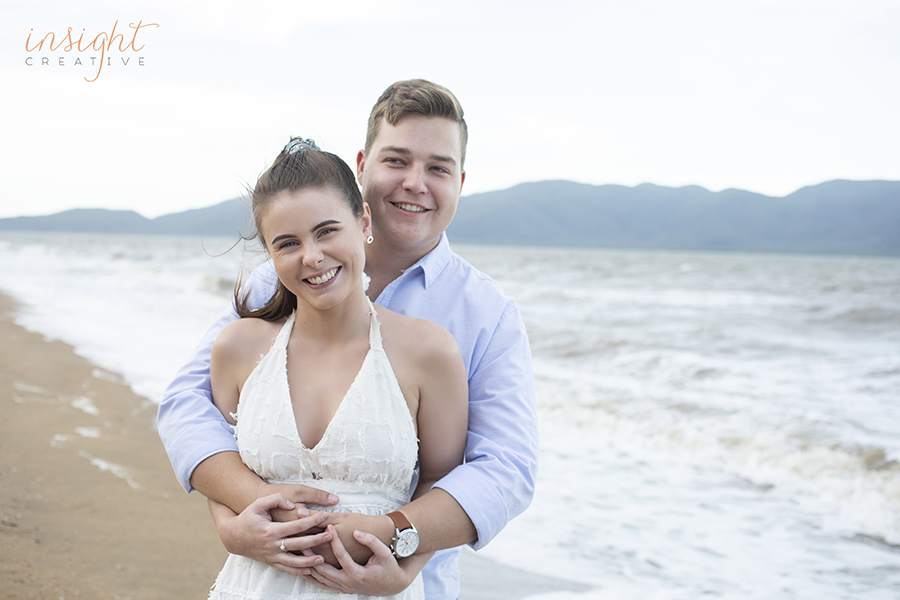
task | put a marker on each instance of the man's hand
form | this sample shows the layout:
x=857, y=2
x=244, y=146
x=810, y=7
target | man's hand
x=382, y=575
x=254, y=534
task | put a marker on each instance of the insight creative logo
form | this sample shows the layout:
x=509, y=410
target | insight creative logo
x=94, y=51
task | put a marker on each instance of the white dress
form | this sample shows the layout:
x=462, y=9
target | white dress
x=367, y=456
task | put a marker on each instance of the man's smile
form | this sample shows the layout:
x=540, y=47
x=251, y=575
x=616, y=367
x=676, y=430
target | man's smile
x=409, y=207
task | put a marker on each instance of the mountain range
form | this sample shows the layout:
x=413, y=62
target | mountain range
x=836, y=217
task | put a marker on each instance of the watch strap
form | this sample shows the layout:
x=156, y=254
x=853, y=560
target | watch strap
x=401, y=523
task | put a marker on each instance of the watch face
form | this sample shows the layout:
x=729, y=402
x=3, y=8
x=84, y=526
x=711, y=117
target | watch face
x=407, y=544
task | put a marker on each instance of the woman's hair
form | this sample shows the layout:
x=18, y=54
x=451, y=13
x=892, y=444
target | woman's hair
x=300, y=165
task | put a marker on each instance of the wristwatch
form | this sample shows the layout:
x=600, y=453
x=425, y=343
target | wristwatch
x=406, y=537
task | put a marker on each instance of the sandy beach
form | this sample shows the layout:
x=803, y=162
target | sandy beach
x=89, y=505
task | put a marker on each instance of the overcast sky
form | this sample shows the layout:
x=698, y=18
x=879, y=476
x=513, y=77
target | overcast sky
x=762, y=95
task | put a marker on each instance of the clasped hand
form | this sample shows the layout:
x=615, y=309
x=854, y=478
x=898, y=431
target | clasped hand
x=256, y=534
x=355, y=560
x=359, y=562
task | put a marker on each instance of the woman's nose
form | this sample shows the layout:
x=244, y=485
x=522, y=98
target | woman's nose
x=313, y=255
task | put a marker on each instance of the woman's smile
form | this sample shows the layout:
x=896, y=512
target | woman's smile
x=324, y=278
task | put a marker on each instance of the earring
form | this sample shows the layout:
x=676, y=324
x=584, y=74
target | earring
x=370, y=239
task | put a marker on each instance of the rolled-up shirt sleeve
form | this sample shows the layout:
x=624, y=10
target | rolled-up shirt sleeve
x=496, y=483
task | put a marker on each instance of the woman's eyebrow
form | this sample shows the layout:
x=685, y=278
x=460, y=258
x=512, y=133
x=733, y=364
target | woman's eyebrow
x=326, y=222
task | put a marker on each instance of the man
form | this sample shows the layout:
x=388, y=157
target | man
x=411, y=172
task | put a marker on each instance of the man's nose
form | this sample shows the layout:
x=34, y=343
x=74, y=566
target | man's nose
x=415, y=180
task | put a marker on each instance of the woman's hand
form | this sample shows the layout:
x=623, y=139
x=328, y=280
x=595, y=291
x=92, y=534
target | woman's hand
x=254, y=533
x=299, y=496
x=382, y=575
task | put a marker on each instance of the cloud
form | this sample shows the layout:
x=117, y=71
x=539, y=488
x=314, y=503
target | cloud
x=764, y=95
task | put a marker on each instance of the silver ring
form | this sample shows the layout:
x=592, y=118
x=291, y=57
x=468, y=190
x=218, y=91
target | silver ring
x=283, y=549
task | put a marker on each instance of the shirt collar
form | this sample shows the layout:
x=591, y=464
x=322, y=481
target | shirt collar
x=433, y=263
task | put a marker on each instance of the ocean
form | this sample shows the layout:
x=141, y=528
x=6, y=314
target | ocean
x=721, y=425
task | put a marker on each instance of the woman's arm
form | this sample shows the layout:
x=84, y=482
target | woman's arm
x=229, y=363
x=442, y=416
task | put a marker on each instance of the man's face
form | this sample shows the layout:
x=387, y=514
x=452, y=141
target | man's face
x=412, y=178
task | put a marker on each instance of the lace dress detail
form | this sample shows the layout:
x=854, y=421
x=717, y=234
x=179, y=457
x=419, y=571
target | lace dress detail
x=367, y=456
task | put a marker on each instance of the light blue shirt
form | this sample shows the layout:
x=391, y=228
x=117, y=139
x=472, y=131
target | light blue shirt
x=496, y=482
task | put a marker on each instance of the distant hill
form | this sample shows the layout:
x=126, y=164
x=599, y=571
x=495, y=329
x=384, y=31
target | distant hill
x=846, y=217
x=843, y=217
x=227, y=218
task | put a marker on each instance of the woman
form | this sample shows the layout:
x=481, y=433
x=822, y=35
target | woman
x=344, y=388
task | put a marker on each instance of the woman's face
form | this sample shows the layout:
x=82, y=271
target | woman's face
x=317, y=245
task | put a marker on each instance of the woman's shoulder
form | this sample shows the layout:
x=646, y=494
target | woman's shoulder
x=249, y=327
x=246, y=336
x=415, y=338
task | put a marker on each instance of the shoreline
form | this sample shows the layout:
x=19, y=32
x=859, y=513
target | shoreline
x=89, y=505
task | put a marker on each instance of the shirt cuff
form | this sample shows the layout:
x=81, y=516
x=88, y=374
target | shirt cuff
x=199, y=443
x=477, y=493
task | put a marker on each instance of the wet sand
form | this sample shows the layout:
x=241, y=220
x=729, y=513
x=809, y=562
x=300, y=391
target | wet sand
x=89, y=505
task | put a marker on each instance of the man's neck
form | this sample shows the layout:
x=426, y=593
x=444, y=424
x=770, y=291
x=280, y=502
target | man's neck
x=384, y=265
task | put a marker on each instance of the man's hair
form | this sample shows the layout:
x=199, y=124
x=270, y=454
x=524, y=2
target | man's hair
x=416, y=97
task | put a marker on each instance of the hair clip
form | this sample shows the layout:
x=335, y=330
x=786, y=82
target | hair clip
x=299, y=145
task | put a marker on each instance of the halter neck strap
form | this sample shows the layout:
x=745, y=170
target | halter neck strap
x=374, y=327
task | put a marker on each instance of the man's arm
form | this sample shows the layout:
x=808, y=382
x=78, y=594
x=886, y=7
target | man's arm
x=191, y=428
x=473, y=503
x=225, y=479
